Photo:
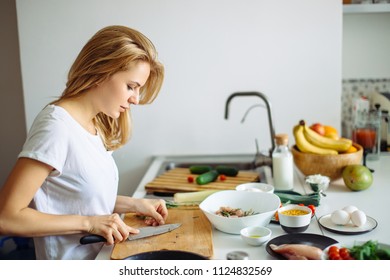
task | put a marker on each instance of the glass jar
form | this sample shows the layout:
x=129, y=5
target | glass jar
x=282, y=164
x=367, y=132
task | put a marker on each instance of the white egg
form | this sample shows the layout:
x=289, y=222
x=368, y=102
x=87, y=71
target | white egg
x=358, y=218
x=340, y=217
x=350, y=209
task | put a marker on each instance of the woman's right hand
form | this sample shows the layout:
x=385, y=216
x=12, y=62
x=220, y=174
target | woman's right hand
x=111, y=227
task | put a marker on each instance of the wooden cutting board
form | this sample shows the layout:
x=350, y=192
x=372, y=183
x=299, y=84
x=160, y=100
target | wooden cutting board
x=175, y=180
x=194, y=235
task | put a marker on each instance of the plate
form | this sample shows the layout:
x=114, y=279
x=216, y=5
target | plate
x=316, y=240
x=349, y=228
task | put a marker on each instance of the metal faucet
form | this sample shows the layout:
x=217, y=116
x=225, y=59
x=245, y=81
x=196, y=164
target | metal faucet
x=260, y=159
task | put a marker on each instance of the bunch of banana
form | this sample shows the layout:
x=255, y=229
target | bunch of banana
x=309, y=141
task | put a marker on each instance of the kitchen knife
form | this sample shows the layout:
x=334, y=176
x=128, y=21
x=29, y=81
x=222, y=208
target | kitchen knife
x=143, y=232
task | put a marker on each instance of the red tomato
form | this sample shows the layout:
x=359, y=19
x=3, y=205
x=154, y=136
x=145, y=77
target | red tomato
x=190, y=179
x=333, y=249
x=334, y=256
x=344, y=253
x=222, y=177
x=312, y=208
x=333, y=253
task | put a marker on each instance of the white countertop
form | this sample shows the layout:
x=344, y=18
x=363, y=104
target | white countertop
x=371, y=201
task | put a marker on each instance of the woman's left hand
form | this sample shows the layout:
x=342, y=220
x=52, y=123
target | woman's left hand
x=154, y=209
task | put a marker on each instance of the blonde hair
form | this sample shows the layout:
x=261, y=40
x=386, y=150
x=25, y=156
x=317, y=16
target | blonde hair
x=110, y=50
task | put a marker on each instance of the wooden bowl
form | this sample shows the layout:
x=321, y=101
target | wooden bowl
x=326, y=165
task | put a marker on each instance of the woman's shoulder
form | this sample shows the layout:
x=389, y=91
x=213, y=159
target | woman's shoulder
x=53, y=114
x=50, y=119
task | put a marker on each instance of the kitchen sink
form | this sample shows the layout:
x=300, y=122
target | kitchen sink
x=162, y=164
x=264, y=171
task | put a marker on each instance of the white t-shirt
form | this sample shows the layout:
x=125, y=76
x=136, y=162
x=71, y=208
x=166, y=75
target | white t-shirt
x=84, y=180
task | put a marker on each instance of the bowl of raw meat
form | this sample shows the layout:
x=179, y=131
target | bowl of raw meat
x=230, y=211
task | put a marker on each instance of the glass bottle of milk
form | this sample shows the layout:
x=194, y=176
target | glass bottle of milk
x=282, y=164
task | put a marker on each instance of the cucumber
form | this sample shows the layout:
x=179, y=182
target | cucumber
x=200, y=169
x=227, y=170
x=207, y=177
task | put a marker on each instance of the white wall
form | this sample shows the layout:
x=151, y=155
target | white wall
x=289, y=50
x=366, y=43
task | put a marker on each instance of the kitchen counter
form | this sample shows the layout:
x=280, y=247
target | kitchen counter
x=371, y=201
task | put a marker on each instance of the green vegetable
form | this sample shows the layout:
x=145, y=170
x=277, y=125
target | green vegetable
x=192, y=197
x=296, y=198
x=200, y=169
x=369, y=251
x=227, y=170
x=207, y=177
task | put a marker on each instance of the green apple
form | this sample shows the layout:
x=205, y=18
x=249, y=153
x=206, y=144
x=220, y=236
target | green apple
x=357, y=177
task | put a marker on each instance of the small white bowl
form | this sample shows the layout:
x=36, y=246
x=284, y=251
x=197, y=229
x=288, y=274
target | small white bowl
x=255, y=236
x=256, y=187
x=318, y=182
x=297, y=223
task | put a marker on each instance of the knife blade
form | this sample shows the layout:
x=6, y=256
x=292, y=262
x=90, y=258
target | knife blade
x=143, y=232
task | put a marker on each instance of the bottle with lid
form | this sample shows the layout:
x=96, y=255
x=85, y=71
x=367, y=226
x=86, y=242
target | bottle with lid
x=282, y=164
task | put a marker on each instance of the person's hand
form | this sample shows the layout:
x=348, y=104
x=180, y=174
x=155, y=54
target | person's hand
x=111, y=227
x=154, y=209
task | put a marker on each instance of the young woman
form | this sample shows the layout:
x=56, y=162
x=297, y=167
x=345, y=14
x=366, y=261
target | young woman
x=65, y=181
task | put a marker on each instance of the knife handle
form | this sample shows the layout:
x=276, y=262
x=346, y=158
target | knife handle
x=92, y=238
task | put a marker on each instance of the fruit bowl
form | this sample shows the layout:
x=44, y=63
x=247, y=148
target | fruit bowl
x=326, y=165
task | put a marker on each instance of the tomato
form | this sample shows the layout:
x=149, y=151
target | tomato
x=190, y=179
x=222, y=177
x=334, y=256
x=344, y=253
x=333, y=249
x=312, y=208
x=333, y=253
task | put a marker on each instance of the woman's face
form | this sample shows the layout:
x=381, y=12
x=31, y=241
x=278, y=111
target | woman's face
x=122, y=89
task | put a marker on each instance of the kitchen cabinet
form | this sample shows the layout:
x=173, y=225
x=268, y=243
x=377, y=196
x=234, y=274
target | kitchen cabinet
x=366, y=8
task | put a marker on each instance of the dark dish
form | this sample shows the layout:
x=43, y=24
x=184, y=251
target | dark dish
x=319, y=241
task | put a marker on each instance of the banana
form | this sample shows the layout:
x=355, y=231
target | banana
x=340, y=145
x=305, y=146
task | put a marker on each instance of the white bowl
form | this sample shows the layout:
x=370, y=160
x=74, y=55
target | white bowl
x=294, y=224
x=255, y=236
x=265, y=204
x=256, y=187
x=317, y=182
